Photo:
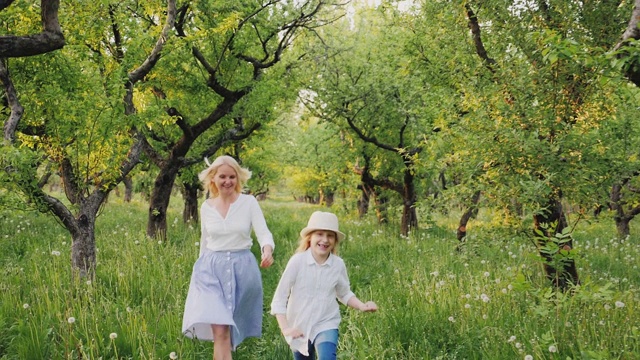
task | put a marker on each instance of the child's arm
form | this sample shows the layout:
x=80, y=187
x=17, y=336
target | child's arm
x=284, y=327
x=355, y=303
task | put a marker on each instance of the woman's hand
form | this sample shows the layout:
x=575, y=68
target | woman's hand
x=267, y=256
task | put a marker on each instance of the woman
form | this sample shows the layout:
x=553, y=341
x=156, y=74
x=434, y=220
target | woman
x=224, y=303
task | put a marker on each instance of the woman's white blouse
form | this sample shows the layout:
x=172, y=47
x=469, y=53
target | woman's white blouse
x=233, y=232
x=307, y=294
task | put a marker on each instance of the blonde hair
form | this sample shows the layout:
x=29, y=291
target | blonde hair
x=207, y=175
x=305, y=242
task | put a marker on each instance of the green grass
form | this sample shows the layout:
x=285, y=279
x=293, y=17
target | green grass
x=488, y=301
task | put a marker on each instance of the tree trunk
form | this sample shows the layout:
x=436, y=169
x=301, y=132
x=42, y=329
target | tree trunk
x=381, y=201
x=623, y=216
x=551, y=222
x=363, y=201
x=471, y=210
x=190, y=195
x=159, y=202
x=128, y=189
x=83, y=248
x=329, y=199
x=409, y=197
x=622, y=225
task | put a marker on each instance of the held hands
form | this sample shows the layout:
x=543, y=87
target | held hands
x=267, y=257
x=369, y=306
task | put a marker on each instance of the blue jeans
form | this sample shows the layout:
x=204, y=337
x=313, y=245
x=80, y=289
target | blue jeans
x=325, y=345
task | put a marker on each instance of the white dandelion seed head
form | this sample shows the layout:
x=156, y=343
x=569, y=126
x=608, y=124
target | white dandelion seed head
x=467, y=306
x=619, y=304
x=173, y=355
x=553, y=349
x=528, y=357
x=512, y=339
x=71, y=320
x=25, y=306
x=451, y=318
x=55, y=253
x=518, y=345
x=113, y=336
x=607, y=307
x=487, y=274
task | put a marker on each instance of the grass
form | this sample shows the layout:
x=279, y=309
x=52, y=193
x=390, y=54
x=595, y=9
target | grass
x=488, y=301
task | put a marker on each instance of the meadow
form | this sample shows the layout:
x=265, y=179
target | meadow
x=486, y=300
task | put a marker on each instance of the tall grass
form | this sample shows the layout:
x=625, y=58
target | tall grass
x=486, y=300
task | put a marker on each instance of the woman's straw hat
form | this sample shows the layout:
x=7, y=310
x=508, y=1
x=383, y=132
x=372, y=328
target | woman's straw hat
x=320, y=220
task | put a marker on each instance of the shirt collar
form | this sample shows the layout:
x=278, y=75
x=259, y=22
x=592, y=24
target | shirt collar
x=310, y=260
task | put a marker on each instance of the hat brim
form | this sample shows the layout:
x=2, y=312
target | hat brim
x=304, y=232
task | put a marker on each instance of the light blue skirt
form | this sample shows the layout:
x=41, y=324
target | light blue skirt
x=225, y=289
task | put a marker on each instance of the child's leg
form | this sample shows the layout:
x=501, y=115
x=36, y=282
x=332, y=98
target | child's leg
x=312, y=353
x=326, y=344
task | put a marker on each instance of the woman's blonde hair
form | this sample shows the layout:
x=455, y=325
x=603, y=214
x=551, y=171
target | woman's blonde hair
x=305, y=242
x=207, y=175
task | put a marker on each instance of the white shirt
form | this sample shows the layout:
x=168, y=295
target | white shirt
x=233, y=232
x=307, y=294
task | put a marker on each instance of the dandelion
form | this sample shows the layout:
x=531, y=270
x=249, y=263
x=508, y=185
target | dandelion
x=88, y=282
x=486, y=274
x=619, y=304
x=607, y=307
x=173, y=355
x=55, y=253
x=451, y=318
x=518, y=345
x=484, y=298
x=528, y=357
x=467, y=306
x=553, y=349
x=71, y=320
x=504, y=291
x=512, y=339
x=112, y=336
x=25, y=306
x=435, y=273
x=129, y=309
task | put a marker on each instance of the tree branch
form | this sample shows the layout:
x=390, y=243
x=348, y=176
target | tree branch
x=631, y=33
x=17, y=110
x=50, y=39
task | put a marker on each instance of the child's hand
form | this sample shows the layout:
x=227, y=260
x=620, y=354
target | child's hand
x=369, y=306
x=293, y=332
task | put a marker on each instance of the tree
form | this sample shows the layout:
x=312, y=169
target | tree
x=78, y=122
x=362, y=88
x=538, y=109
x=231, y=68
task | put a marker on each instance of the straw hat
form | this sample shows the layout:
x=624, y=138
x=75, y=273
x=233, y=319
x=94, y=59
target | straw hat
x=320, y=220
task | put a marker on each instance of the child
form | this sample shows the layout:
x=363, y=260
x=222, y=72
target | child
x=305, y=301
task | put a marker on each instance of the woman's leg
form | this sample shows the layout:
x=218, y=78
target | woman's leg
x=222, y=342
x=326, y=344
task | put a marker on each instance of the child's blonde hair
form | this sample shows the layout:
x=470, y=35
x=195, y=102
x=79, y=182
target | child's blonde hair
x=305, y=242
x=206, y=176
